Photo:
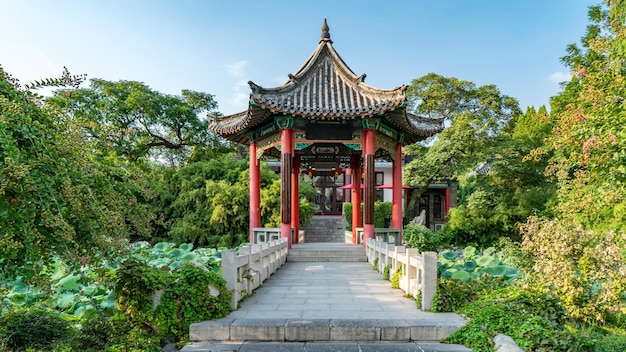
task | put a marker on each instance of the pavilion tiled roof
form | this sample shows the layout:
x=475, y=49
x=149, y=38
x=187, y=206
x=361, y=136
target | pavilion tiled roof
x=325, y=88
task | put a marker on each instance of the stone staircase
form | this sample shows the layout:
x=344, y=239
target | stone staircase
x=319, y=335
x=326, y=252
x=325, y=228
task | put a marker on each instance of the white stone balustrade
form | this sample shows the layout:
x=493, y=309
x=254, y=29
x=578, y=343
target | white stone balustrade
x=247, y=270
x=419, y=270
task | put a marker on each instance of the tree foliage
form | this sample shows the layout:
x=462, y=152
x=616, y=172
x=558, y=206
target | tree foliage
x=587, y=150
x=55, y=198
x=207, y=202
x=474, y=116
x=135, y=121
x=585, y=268
x=484, y=148
x=504, y=191
x=580, y=252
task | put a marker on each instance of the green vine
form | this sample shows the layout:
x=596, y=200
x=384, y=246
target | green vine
x=160, y=305
x=395, y=278
x=386, y=271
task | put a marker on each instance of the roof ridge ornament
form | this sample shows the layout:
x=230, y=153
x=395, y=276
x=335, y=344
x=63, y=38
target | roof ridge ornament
x=325, y=32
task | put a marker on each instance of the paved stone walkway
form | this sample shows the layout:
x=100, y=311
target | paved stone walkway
x=329, y=290
x=322, y=306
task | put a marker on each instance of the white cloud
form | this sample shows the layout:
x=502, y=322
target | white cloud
x=27, y=62
x=239, y=99
x=280, y=80
x=237, y=69
x=241, y=93
x=558, y=77
x=240, y=90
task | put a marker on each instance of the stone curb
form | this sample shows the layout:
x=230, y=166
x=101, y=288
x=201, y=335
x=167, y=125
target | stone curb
x=306, y=330
x=347, y=346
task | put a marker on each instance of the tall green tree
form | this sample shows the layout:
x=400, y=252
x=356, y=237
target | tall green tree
x=56, y=197
x=135, y=121
x=496, y=198
x=479, y=121
x=474, y=117
x=588, y=147
x=579, y=253
x=207, y=202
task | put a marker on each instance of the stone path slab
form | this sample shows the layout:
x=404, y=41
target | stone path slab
x=251, y=346
x=332, y=290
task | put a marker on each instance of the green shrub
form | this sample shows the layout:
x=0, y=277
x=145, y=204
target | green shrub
x=386, y=271
x=382, y=214
x=306, y=210
x=375, y=264
x=423, y=238
x=347, y=214
x=611, y=342
x=160, y=305
x=533, y=318
x=96, y=334
x=33, y=328
x=395, y=278
x=587, y=269
x=454, y=294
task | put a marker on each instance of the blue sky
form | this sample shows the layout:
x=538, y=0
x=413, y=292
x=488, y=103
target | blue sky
x=218, y=46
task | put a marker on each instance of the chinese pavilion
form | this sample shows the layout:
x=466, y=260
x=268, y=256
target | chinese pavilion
x=325, y=117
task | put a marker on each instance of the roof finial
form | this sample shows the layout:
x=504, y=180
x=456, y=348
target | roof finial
x=325, y=33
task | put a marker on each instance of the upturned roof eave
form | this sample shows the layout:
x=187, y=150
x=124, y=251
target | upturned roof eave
x=235, y=127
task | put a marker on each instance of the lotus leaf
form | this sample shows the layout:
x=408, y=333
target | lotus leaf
x=449, y=255
x=175, y=253
x=64, y=300
x=19, y=286
x=69, y=283
x=164, y=246
x=469, y=266
x=189, y=256
x=446, y=274
x=497, y=270
x=461, y=275
x=91, y=290
x=84, y=310
x=187, y=247
x=159, y=262
x=59, y=270
x=489, y=251
x=108, y=301
x=469, y=252
x=486, y=261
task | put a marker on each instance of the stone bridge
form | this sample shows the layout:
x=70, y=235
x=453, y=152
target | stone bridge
x=325, y=297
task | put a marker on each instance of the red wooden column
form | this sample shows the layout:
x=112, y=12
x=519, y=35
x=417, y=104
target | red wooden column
x=355, y=166
x=396, y=203
x=255, y=191
x=286, y=165
x=370, y=181
x=295, y=198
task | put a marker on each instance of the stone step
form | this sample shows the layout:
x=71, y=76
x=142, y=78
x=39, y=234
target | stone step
x=325, y=228
x=322, y=346
x=326, y=259
x=337, y=255
x=315, y=330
